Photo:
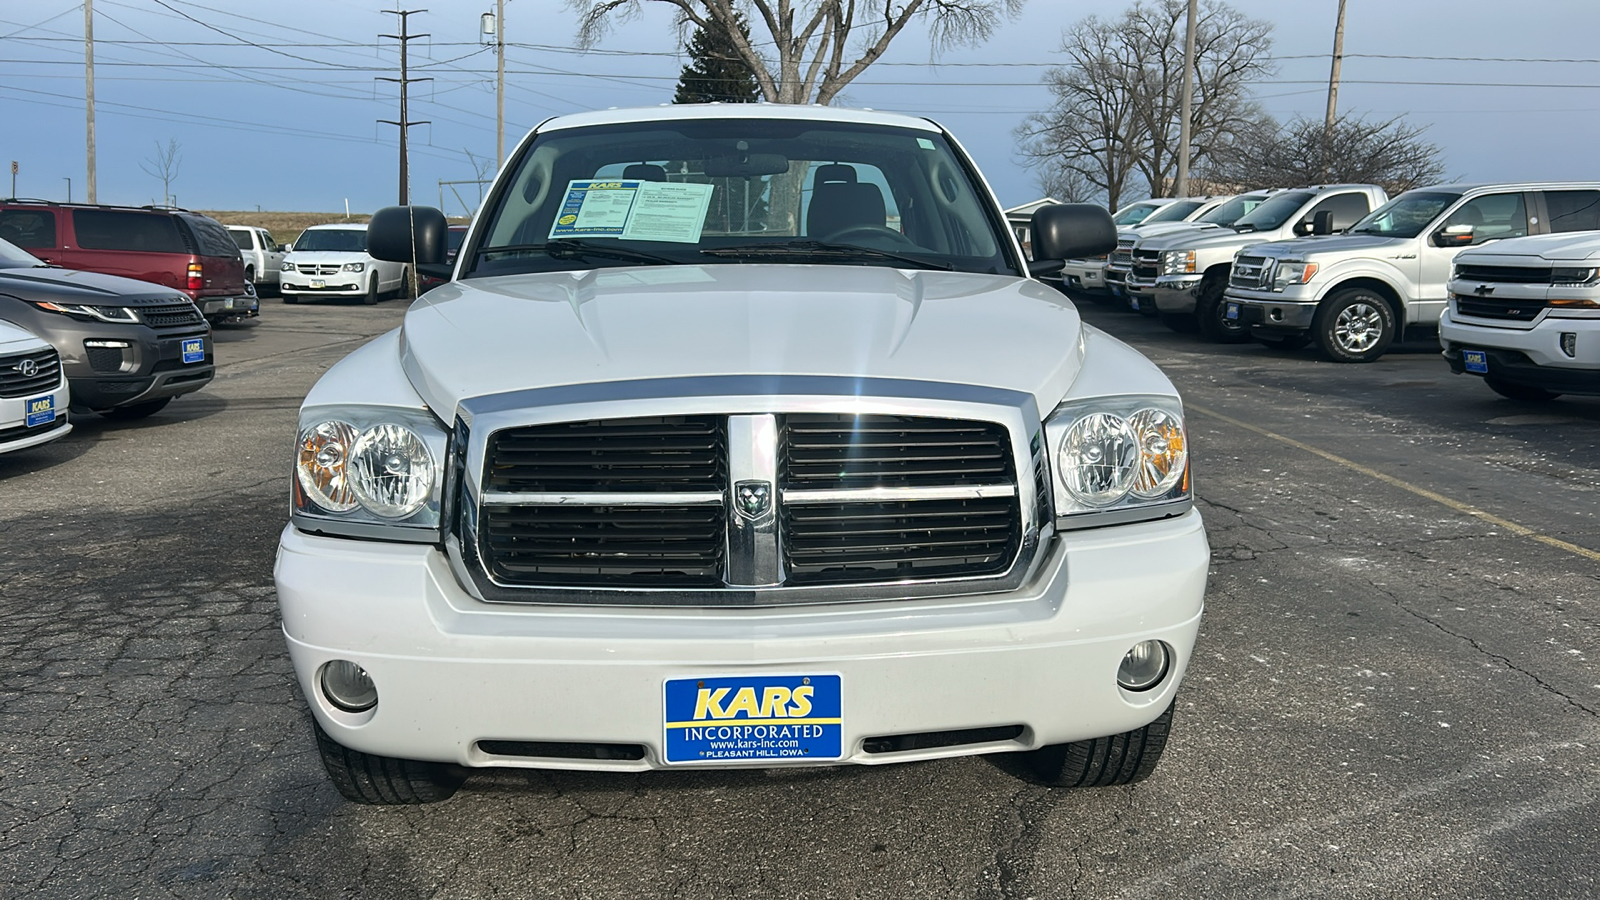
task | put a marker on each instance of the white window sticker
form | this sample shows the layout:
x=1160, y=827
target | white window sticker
x=635, y=210
x=924, y=143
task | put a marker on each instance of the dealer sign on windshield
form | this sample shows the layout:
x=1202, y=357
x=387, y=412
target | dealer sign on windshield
x=769, y=717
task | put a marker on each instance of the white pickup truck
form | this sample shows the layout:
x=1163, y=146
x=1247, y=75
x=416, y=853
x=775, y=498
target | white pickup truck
x=660, y=480
x=1524, y=315
x=262, y=254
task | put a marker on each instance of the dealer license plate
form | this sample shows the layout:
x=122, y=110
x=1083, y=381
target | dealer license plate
x=1133, y=302
x=41, y=411
x=194, y=350
x=1233, y=311
x=755, y=717
x=1476, y=361
x=318, y=283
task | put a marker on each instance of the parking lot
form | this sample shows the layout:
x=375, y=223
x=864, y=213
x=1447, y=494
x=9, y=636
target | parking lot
x=1395, y=691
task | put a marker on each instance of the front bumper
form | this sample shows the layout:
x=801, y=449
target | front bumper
x=1174, y=294
x=339, y=284
x=452, y=671
x=243, y=306
x=149, y=368
x=1084, y=276
x=1528, y=356
x=1270, y=312
x=17, y=434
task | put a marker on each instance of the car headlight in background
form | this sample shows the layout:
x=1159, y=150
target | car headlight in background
x=1293, y=272
x=83, y=311
x=355, y=267
x=286, y=266
x=1119, y=459
x=369, y=472
x=1177, y=262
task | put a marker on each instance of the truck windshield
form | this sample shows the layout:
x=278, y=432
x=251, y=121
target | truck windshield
x=1272, y=214
x=1406, y=215
x=1135, y=214
x=732, y=190
x=1173, y=212
x=347, y=240
x=1234, y=210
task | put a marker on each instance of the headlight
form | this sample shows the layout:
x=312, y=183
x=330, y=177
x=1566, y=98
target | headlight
x=1564, y=276
x=1177, y=262
x=1292, y=272
x=1119, y=459
x=286, y=266
x=370, y=472
x=355, y=267
x=99, y=313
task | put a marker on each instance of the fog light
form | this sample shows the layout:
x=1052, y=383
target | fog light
x=1143, y=667
x=349, y=687
x=1569, y=344
x=107, y=345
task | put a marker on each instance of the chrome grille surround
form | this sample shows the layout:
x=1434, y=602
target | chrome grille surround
x=754, y=405
x=318, y=268
x=1253, y=273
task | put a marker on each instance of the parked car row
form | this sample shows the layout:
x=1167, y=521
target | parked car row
x=1349, y=270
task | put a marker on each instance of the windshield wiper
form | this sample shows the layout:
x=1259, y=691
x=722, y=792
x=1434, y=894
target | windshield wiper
x=571, y=249
x=820, y=249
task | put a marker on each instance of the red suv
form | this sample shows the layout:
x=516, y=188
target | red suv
x=162, y=245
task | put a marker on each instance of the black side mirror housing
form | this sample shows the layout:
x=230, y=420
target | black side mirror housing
x=1322, y=222
x=1064, y=231
x=410, y=234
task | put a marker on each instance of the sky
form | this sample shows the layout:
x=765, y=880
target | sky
x=275, y=105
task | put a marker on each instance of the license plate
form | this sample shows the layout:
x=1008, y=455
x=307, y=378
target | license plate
x=1133, y=302
x=41, y=411
x=318, y=283
x=1476, y=361
x=194, y=350
x=1116, y=289
x=779, y=718
x=1233, y=311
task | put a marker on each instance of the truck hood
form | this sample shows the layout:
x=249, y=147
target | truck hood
x=1567, y=247
x=1158, y=228
x=492, y=335
x=1335, y=245
x=1205, y=238
x=89, y=288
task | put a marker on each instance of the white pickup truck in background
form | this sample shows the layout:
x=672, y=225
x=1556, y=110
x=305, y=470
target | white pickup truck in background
x=262, y=254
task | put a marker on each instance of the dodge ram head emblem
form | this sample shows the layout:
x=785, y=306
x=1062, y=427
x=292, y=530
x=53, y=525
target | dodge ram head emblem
x=27, y=368
x=752, y=498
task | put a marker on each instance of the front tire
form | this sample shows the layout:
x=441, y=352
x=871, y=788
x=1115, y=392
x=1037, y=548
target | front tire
x=371, y=296
x=1102, y=762
x=382, y=780
x=1527, y=393
x=1355, y=325
x=1211, y=313
x=136, y=411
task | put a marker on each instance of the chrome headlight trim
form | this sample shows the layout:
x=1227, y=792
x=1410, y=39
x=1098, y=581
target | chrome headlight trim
x=363, y=520
x=1073, y=510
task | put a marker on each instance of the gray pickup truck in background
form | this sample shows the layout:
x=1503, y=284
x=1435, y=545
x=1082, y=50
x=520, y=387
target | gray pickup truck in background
x=262, y=254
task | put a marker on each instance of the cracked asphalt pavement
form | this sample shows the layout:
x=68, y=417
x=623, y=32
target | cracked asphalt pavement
x=1394, y=692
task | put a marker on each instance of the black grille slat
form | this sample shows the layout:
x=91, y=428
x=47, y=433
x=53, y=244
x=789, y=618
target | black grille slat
x=831, y=451
x=1508, y=309
x=171, y=316
x=682, y=453
x=47, y=374
x=614, y=546
x=1505, y=274
x=867, y=541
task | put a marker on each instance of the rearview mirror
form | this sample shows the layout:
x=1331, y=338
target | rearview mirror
x=409, y=234
x=1453, y=236
x=1063, y=231
x=747, y=165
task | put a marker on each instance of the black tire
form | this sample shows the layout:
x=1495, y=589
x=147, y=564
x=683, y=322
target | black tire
x=1355, y=325
x=288, y=298
x=371, y=297
x=1182, y=323
x=1527, y=393
x=250, y=275
x=382, y=780
x=1286, y=343
x=1211, y=312
x=136, y=411
x=1102, y=762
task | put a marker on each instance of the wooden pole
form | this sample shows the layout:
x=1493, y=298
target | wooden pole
x=1184, y=125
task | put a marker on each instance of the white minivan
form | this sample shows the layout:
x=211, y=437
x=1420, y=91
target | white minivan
x=332, y=261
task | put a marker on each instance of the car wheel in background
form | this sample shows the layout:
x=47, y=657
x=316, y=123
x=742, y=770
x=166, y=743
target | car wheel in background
x=371, y=298
x=384, y=781
x=1354, y=325
x=137, y=410
x=1102, y=762
x=250, y=275
x=1182, y=323
x=1524, y=392
x=1211, y=312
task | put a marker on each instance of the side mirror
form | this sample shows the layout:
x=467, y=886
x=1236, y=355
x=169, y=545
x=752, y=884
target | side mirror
x=409, y=234
x=1064, y=231
x=1322, y=222
x=1302, y=228
x=1454, y=236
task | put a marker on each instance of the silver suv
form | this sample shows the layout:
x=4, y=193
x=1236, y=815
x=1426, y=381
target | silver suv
x=1354, y=293
x=1185, y=273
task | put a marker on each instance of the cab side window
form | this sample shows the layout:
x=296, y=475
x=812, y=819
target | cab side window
x=30, y=229
x=1347, y=210
x=1573, y=210
x=1492, y=216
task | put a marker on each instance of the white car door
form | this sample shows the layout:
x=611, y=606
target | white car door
x=1492, y=217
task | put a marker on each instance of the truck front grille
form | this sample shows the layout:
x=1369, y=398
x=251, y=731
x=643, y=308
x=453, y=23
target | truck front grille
x=683, y=453
x=620, y=546
x=1122, y=257
x=173, y=316
x=1490, y=308
x=318, y=268
x=893, y=541
x=1146, y=265
x=1505, y=274
x=1252, y=273
x=25, y=374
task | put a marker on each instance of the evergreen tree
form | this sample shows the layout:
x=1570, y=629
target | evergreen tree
x=716, y=72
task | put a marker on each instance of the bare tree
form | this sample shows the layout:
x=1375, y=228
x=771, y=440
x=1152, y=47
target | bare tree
x=164, y=166
x=813, y=47
x=1390, y=153
x=1118, y=96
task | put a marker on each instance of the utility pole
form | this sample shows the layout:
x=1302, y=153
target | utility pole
x=405, y=38
x=88, y=86
x=1184, y=125
x=499, y=83
x=1333, y=94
